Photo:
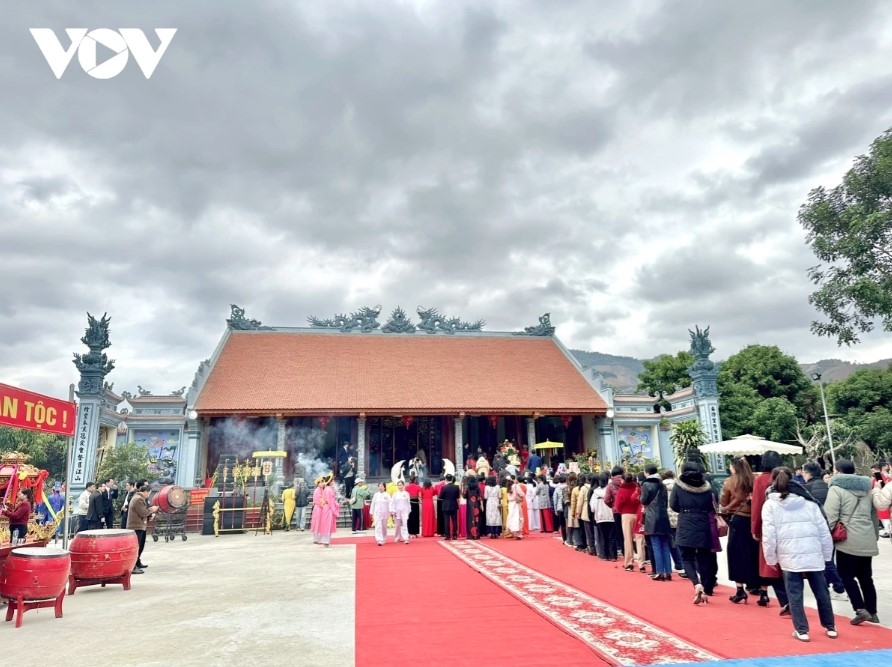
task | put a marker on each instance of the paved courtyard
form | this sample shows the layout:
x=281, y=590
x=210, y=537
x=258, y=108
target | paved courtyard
x=243, y=599
x=233, y=600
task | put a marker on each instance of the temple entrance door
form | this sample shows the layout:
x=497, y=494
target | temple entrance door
x=391, y=441
x=429, y=439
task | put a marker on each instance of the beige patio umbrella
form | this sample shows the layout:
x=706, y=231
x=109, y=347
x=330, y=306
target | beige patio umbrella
x=749, y=445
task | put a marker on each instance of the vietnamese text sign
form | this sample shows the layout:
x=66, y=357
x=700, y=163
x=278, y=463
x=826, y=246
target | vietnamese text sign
x=84, y=452
x=36, y=412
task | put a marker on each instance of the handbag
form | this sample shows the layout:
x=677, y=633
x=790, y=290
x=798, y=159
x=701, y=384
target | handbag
x=840, y=533
x=720, y=524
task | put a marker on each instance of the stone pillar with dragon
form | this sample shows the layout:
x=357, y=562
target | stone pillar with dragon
x=94, y=366
x=704, y=373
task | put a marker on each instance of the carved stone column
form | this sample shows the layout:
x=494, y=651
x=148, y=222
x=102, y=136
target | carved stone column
x=531, y=432
x=278, y=467
x=459, y=446
x=360, y=444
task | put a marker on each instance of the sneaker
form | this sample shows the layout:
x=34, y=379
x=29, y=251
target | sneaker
x=874, y=618
x=839, y=597
x=801, y=636
x=785, y=610
x=137, y=570
x=861, y=615
x=832, y=633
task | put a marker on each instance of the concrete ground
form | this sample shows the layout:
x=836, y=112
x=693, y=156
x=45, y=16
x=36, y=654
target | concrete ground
x=882, y=578
x=246, y=600
x=229, y=600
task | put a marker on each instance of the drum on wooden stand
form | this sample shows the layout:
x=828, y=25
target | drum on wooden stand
x=102, y=557
x=34, y=578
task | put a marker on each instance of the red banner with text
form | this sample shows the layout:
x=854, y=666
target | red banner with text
x=36, y=412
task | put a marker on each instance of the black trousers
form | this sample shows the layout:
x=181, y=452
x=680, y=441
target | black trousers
x=618, y=532
x=862, y=593
x=608, y=539
x=358, y=520
x=589, y=529
x=699, y=565
x=451, y=524
x=141, y=538
x=560, y=524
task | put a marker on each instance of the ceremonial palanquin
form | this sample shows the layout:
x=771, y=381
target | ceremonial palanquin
x=16, y=474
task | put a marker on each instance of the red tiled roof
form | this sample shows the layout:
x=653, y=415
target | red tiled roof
x=326, y=374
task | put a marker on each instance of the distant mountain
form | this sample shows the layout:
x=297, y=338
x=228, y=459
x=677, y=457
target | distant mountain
x=621, y=373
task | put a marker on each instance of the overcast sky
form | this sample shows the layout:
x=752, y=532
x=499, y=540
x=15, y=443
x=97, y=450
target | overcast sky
x=634, y=168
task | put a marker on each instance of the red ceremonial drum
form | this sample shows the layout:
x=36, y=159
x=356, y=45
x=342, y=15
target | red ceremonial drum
x=34, y=578
x=103, y=554
x=170, y=499
x=34, y=573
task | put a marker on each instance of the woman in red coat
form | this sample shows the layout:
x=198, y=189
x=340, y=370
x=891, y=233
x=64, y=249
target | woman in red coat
x=627, y=503
x=767, y=573
x=428, y=513
x=18, y=516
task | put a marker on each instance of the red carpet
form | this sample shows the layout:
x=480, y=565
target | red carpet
x=421, y=604
x=722, y=628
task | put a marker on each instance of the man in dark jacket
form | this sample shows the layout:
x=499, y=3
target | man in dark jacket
x=655, y=500
x=449, y=496
x=814, y=481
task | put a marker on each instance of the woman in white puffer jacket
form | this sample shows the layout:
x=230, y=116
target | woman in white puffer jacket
x=795, y=536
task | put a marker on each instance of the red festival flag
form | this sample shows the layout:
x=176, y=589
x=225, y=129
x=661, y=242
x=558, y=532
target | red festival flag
x=36, y=412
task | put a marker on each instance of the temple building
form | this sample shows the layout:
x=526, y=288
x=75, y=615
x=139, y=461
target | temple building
x=438, y=388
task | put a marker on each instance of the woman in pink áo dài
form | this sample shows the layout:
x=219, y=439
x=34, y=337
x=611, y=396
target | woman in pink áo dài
x=325, y=510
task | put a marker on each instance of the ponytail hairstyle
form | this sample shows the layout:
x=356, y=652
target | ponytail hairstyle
x=780, y=478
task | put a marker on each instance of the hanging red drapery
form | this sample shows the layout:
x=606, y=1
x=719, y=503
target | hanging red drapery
x=323, y=422
x=565, y=420
x=493, y=420
x=407, y=420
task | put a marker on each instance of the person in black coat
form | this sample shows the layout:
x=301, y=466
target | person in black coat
x=109, y=496
x=95, y=509
x=655, y=500
x=814, y=481
x=449, y=496
x=817, y=488
x=693, y=500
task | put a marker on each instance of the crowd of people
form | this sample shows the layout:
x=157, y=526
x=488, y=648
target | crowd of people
x=783, y=528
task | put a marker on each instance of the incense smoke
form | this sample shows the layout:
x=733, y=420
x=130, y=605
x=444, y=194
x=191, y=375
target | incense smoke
x=307, y=444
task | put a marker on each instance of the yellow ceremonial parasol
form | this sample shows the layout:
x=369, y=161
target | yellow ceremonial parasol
x=548, y=444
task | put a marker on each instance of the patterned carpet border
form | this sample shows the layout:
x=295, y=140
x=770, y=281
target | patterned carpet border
x=615, y=634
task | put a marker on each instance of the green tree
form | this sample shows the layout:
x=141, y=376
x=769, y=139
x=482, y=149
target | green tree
x=686, y=437
x=862, y=401
x=47, y=451
x=126, y=461
x=666, y=373
x=757, y=373
x=849, y=230
x=774, y=419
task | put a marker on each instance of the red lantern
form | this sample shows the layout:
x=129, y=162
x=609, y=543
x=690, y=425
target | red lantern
x=323, y=422
x=565, y=419
x=493, y=420
x=407, y=420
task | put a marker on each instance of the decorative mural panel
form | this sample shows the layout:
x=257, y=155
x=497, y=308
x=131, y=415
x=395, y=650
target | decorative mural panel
x=638, y=440
x=163, y=446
